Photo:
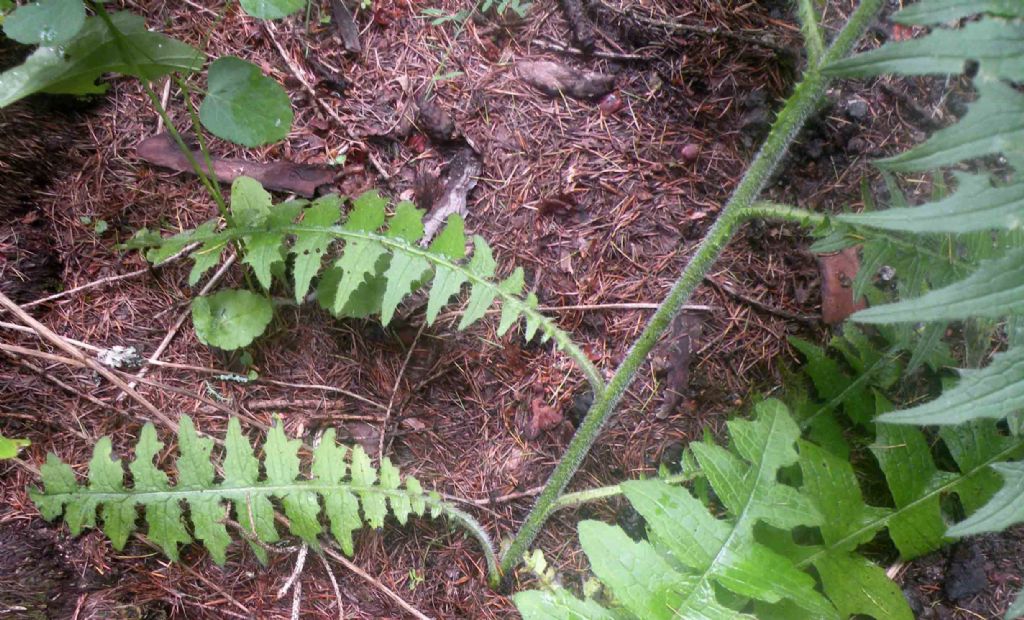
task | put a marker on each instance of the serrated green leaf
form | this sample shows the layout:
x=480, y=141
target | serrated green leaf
x=402, y=276
x=243, y=105
x=1003, y=510
x=718, y=550
x=271, y=9
x=859, y=587
x=254, y=511
x=195, y=471
x=480, y=299
x=905, y=459
x=971, y=445
x=993, y=125
x=976, y=205
x=360, y=256
x=281, y=461
x=45, y=22
x=205, y=258
x=832, y=484
x=513, y=285
x=994, y=290
x=74, y=68
x=751, y=491
x=342, y=508
x=363, y=477
x=558, y=605
x=107, y=476
x=250, y=203
x=241, y=486
x=928, y=12
x=451, y=244
x=643, y=582
x=264, y=251
x=996, y=44
x=231, y=319
x=309, y=247
x=992, y=392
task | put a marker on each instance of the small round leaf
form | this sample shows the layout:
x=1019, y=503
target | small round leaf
x=231, y=319
x=46, y=22
x=271, y=9
x=243, y=105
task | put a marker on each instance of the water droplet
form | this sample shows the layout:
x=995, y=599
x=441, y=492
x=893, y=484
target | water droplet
x=47, y=35
x=277, y=123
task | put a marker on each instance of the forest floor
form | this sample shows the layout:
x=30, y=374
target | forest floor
x=601, y=201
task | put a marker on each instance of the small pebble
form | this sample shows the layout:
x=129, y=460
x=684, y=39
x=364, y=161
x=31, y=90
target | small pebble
x=690, y=152
x=857, y=108
x=610, y=104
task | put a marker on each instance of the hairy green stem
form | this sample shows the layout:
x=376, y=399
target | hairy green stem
x=814, y=42
x=570, y=500
x=800, y=105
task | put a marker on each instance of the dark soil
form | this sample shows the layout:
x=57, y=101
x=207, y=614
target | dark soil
x=602, y=202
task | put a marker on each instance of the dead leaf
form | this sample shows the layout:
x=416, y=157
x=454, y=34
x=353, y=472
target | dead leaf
x=686, y=331
x=555, y=79
x=544, y=418
x=838, y=269
x=345, y=26
x=459, y=178
x=282, y=176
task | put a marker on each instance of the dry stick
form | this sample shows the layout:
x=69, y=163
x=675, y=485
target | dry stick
x=375, y=583
x=82, y=434
x=334, y=584
x=701, y=30
x=760, y=305
x=181, y=320
x=394, y=391
x=300, y=562
x=563, y=49
x=59, y=342
x=109, y=279
x=15, y=349
x=212, y=371
x=306, y=86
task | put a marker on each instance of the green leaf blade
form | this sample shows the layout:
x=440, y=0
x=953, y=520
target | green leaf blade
x=244, y=106
x=231, y=319
x=271, y=9
x=46, y=22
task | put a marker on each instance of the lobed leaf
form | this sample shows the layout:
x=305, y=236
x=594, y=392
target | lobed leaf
x=997, y=45
x=995, y=289
x=210, y=502
x=976, y=205
x=374, y=272
x=993, y=392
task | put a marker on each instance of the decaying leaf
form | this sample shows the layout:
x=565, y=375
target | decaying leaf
x=283, y=176
x=838, y=270
x=543, y=417
x=686, y=331
x=555, y=79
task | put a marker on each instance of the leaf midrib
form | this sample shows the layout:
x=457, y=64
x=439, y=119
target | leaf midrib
x=228, y=492
x=873, y=526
